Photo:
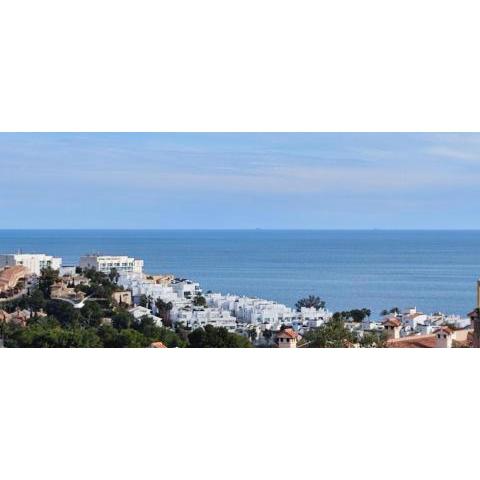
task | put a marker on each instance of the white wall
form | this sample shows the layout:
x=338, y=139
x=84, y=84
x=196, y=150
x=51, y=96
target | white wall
x=34, y=262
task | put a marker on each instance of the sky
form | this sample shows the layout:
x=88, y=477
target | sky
x=242, y=180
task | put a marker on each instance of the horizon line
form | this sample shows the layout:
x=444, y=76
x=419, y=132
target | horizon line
x=250, y=229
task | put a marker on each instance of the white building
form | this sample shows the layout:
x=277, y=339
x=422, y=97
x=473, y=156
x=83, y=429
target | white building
x=105, y=263
x=412, y=318
x=199, y=317
x=186, y=288
x=313, y=318
x=139, y=312
x=139, y=285
x=257, y=310
x=68, y=270
x=33, y=262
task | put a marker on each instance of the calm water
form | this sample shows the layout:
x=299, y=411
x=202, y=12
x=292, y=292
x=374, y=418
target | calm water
x=434, y=270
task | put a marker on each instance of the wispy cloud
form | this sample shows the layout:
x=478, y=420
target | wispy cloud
x=370, y=174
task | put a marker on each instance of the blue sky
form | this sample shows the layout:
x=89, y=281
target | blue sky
x=207, y=180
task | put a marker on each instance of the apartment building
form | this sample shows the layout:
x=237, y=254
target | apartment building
x=105, y=263
x=33, y=262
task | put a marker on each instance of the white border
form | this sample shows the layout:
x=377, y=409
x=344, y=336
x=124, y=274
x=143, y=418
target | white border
x=253, y=65
x=262, y=413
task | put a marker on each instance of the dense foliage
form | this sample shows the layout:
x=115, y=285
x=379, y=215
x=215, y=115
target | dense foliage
x=355, y=315
x=332, y=334
x=216, y=337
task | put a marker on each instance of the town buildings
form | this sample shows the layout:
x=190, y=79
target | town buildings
x=105, y=263
x=230, y=311
x=265, y=322
x=258, y=311
x=141, y=284
x=33, y=262
x=198, y=317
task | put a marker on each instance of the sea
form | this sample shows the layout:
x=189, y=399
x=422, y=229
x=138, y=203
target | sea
x=376, y=269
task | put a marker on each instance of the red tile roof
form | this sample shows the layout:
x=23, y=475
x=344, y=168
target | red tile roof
x=287, y=333
x=158, y=345
x=10, y=276
x=392, y=322
x=413, y=341
x=446, y=330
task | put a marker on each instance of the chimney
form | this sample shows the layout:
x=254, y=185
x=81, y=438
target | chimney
x=392, y=328
x=475, y=324
x=444, y=338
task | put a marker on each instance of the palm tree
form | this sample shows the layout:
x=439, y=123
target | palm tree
x=114, y=275
x=163, y=309
x=309, y=302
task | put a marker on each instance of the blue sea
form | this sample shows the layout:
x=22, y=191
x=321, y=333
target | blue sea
x=432, y=270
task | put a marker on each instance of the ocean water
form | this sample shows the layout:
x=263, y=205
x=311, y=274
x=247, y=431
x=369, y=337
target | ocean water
x=432, y=270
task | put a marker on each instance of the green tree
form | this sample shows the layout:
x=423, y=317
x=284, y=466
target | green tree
x=100, y=286
x=216, y=337
x=200, y=301
x=91, y=314
x=154, y=333
x=358, y=315
x=63, y=312
x=331, y=334
x=130, y=338
x=267, y=334
x=114, y=275
x=143, y=301
x=163, y=309
x=126, y=338
x=47, y=279
x=47, y=333
x=373, y=340
x=123, y=319
x=36, y=301
x=309, y=302
x=108, y=336
x=343, y=316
